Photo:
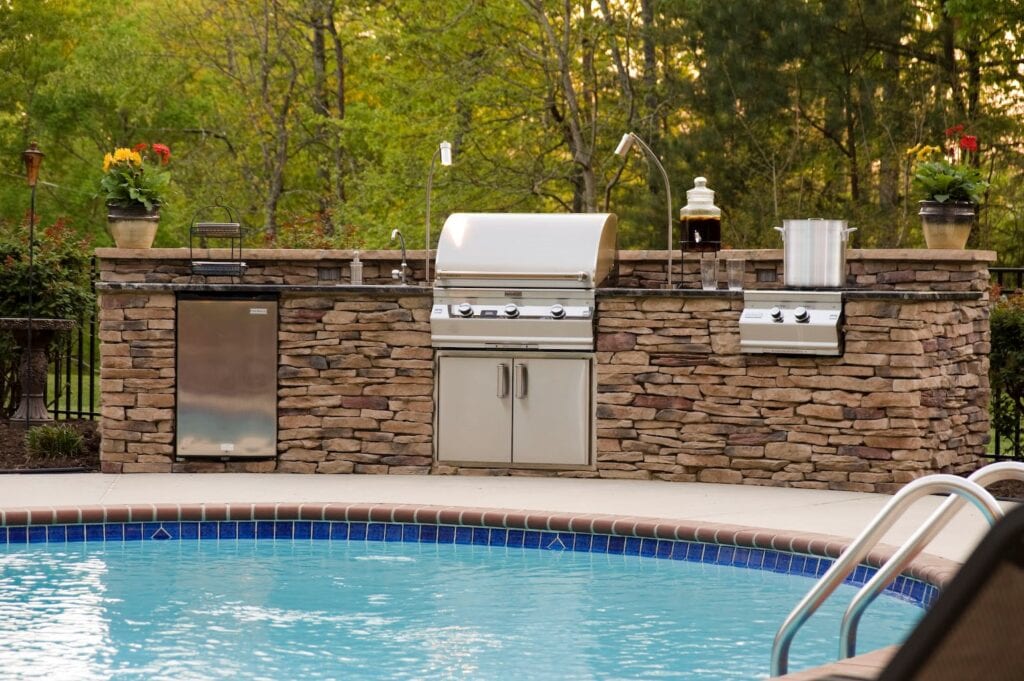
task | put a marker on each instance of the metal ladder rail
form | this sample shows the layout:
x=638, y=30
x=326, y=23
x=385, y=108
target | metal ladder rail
x=848, y=561
x=1006, y=470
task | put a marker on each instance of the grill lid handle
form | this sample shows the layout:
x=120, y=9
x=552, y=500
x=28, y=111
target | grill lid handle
x=469, y=274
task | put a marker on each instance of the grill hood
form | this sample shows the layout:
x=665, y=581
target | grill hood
x=526, y=250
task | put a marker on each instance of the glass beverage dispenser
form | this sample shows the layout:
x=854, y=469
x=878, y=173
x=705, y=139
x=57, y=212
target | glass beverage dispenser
x=700, y=219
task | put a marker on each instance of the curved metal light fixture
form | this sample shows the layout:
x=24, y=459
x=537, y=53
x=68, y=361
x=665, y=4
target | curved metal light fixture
x=625, y=144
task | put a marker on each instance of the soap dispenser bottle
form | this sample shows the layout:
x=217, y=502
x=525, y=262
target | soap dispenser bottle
x=356, y=269
x=700, y=219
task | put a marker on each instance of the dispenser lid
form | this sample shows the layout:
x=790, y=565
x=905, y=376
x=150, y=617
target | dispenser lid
x=700, y=195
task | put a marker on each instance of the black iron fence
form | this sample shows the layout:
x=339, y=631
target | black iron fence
x=1005, y=437
x=72, y=388
x=1010, y=279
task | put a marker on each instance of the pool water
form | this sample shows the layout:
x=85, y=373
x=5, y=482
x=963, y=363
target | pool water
x=370, y=610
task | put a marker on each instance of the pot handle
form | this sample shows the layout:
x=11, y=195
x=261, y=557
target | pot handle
x=847, y=232
x=782, y=231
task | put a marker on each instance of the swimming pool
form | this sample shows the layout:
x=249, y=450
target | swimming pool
x=364, y=599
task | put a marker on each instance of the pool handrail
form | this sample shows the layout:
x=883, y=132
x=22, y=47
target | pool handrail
x=849, y=559
x=996, y=472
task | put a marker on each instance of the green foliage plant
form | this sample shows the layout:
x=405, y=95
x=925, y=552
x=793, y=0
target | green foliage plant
x=136, y=177
x=946, y=175
x=53, y=442
x=1006, y=364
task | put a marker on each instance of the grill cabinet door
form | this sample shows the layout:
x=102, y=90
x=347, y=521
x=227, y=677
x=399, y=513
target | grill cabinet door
x=551, y=419
x=474, y=409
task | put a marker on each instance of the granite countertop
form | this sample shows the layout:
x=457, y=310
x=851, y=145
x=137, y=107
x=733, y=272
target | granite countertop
x=368, y=289
x=848, y=293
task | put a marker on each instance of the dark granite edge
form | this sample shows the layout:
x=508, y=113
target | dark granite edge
x=390, y=290
x=848, y=294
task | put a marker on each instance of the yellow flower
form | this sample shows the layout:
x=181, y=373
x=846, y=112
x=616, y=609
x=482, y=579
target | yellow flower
x=127, y=155
x=914, y=149
x=108, y=160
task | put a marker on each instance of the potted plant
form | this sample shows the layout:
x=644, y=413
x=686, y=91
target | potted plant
x=950, y=189
x=54, y=289
x=133, y=184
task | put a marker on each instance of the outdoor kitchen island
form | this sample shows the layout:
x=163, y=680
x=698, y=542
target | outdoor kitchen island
x=673, y=396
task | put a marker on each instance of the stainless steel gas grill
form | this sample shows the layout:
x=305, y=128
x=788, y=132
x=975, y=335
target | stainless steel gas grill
x=513, y=322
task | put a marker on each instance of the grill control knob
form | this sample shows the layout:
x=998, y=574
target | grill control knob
x=511, y=311
x=465, y=309
x=802, y=315
x=776, y=314
x=557, y=311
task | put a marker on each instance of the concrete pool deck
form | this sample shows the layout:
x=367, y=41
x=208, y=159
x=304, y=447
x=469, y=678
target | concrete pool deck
x=840, y=514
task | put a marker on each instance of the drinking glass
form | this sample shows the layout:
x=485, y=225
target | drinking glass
x=709, y=274
x=734, y=269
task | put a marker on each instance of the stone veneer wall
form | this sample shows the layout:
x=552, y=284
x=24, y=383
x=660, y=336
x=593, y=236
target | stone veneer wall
x=355, y=385
x=676, y=400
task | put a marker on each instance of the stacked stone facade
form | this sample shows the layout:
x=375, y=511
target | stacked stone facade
x=676, y=400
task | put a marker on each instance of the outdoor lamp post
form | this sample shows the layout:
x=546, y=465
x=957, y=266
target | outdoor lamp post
x=33, y=158
x=444, y=150
x=625, y=144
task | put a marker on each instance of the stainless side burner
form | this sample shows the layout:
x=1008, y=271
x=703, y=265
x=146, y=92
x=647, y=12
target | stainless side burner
x=791, y=322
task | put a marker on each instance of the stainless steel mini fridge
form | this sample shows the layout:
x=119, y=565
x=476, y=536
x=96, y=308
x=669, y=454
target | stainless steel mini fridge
x=227, y=377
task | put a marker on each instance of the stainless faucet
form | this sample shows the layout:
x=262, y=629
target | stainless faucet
x=403, y=270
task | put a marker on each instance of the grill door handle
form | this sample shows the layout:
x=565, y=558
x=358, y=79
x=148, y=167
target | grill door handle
x=520, y=380
x=502, y=380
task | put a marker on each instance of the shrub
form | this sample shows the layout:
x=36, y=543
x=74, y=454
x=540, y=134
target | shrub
x=53, y=442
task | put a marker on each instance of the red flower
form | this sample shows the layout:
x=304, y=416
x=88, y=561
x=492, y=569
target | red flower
x=163, y=151
x=140, y=147
x=969, y=143
x=955, y=130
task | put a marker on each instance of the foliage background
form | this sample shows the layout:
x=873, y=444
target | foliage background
x=317, y=119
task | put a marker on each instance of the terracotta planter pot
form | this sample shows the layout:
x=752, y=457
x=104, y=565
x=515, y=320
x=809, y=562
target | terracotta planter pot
x=947, y=225
x=132, y=227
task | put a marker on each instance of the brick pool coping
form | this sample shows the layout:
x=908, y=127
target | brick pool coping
x=925, y=568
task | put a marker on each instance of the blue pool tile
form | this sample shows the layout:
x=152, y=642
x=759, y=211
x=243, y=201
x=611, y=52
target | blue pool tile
x=531, y=539
x=568, y=540
x=695, y=552
x=113, y=532
x=740, y=556
x=428, y=534
x=756, y=558
x=725, y=554
x=375, y=532
x=664, y=547
x=37, y=534
x=499, y=537
x=824, y=564
x=148, y=529
x=208, y=530
x=3, y=536
x=17, y=535
x=445, y=534
x=647, y=547
x=133, y=531
x=392, y=532
x=616, y=545
x=515, y=538
x=917, y=591
x=76, y=533
x=581, y=542
x=796, y=565
x=94, y=533
x=710, y=554
x=54, y=534
x=552, y=541
x=481, y=536
x=283, y=529
x=599, y=543
x=321, y=529
x=770, y=560
x=264, y=529
x=410, y=532
x=340, y=531
x=783, y=561
x=463, y=535
x=357, y=531
x=632, y=546
x=246, y=529
x=227, y=529
x=679, y=550
x=302, y=529
x=189, y=530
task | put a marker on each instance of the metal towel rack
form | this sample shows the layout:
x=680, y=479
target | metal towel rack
x=848, y=561
x=230, y=232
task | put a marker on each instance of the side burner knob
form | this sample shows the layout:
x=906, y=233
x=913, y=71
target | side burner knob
x=511, y=311
x=465, y=309
x=802, y=315
x=776, y=314
x=557, y=311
